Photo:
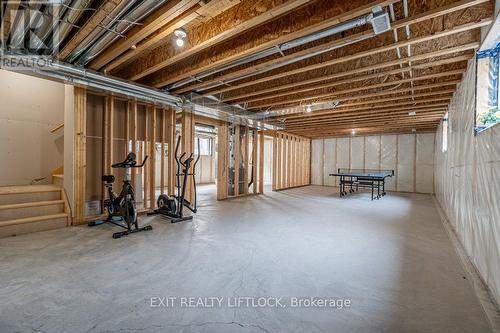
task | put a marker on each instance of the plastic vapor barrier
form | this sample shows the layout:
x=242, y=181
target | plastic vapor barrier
x=411, y=156
x=468, y=182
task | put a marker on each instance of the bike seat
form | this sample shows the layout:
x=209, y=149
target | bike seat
x=108, y=178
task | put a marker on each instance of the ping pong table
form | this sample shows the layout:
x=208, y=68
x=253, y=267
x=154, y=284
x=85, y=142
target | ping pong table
x=356, y=178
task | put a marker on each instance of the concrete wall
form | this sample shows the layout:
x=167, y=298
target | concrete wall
x=468, y=182
x=29, y=109
x=411, y=156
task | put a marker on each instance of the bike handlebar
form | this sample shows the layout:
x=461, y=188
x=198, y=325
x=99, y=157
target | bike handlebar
x=130, y=162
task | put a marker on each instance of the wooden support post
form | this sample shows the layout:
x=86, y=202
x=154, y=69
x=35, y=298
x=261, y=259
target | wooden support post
x=222, y=160
x=80, y=157
x=146, y=152
x=134, y=139
x=152, y=156
x=279, y=155
x=188, y=146
x=162, y=152
x=127, y=127
x=108, y=140
x=261, y=162
x=171, y=136
x=245, y=157
x=108, y=135
x=255, y=161
x=237, y=144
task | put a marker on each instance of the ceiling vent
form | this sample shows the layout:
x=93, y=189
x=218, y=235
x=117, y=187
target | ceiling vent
x=380, y=20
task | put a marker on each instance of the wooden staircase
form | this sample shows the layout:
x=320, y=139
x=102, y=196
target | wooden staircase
x=25, y=209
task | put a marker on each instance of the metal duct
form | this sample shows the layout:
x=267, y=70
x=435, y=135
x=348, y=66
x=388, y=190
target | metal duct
x=213, y=108
x=278, y=49
x=70, y=19
x=116, y=14
x=120, y=27
x=74, y=75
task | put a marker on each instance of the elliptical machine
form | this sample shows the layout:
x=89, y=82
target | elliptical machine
x=121, y=208
x=172, y=206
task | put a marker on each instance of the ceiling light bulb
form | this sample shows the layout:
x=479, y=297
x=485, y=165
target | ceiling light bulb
x=308, y=109
x=353, y=132
x=179, y=42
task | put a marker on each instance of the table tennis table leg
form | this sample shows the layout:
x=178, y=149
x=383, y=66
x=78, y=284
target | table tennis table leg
x=378, y=189
x=373, y=185
x=383, y=187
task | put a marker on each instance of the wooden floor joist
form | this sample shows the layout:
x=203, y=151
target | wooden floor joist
x=227, y=34
x=342, y=42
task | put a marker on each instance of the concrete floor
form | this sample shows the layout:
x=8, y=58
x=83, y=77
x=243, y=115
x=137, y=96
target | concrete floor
x=390, y=258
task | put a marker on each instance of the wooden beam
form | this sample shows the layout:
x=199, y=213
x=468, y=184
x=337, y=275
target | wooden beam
x=236, y=147
x=245, y=156
x=146, y=151
x=160, y=18
x=243, y=73
x=349, y=80
x=187, y=142
x=336, y=94
x=162, y=150
x=152, y=154
x=171, y=141
x=374, y=113
x=261, y=161
x=252, y=23
x=408, y=105
x=80, y=158
x=222, y=160
x=255, y=163
x=164, y=79
x=374, y=103
x=102, y=13
x=133, y=106
x=153, y=41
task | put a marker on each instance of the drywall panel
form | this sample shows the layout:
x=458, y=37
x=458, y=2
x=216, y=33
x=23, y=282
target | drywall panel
x=358, y=152
x=31, y=107
x=372, y=152
x=317, y=162
x=330, y=152
x=406, y=163
x=424, y=167
x=388, y=158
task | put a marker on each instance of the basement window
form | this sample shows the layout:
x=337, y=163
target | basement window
x=445, y=133
x=206, y=145
x=487, y=89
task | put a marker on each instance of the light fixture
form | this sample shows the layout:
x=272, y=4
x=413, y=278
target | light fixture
x=180, y=35
x=412, y=113
x=133, y=47
x=353, y=132
x=308, y=109
x=179, y=42
x=413, y=129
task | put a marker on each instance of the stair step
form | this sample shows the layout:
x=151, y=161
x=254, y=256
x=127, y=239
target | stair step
x=12, y=195
x=33, y=219
x=5, y=190
x=31, y=204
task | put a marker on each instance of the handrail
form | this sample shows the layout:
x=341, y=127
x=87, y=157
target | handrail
x=58, y=127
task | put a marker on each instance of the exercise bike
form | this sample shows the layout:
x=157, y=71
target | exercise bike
x=121, y=209
x=173, y=206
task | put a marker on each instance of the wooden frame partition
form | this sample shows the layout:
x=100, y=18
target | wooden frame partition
x=241, y=163
x=291, y=161
x=127, y=125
